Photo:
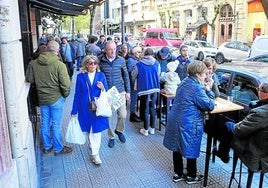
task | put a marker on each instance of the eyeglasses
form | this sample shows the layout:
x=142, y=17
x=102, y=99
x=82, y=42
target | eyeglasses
x=92, y=63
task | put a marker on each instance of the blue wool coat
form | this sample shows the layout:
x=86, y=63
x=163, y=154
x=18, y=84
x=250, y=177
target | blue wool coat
x=185, y=124
x=87, y=118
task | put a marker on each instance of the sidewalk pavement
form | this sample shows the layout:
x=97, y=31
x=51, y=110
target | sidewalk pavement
x=140, y=162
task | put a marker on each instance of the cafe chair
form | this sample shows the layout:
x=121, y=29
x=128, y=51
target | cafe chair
x=252, y=151
x=250, y=174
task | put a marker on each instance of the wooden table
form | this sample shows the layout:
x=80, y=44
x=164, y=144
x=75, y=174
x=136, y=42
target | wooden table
x=165, y=101
x=221, y=106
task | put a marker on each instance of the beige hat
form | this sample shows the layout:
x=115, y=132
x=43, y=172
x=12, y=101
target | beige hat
x=136, y=49
x=172, y=66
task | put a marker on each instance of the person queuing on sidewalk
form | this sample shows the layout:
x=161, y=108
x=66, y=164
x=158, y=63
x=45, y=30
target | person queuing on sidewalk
x=42, y=39
x=91, y=47
x=67, y=52
x=170, y=79
x=164, y=56
x=115, y=71
x=53, y=86
x=80, y=44
x=185, y=124
x=124, y=51
x=90, y=82
x=101, y=42
x=211, y=76
x=134, y=57
x=248, y=137
x=183, y=62
x=146, y=72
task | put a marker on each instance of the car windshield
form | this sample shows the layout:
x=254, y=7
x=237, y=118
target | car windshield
x=204, y=44
x=172, y=35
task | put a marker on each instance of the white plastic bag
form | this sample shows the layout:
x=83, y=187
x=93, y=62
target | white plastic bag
x=74, y=133
x=103, y=106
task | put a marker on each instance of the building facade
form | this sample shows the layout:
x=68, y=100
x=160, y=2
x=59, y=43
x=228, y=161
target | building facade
x=218, y=20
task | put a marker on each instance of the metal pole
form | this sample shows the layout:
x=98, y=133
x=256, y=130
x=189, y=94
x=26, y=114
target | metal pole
x=122, y=21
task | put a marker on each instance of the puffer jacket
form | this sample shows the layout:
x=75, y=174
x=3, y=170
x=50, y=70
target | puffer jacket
x=250, y=140
x=185, y=124
x=116, y=73
x=50, y=75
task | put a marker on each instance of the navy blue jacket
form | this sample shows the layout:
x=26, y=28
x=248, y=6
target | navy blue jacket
x=116, y=73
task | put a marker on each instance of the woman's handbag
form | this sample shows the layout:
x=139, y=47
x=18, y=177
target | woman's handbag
x=103, y=107
x=74, y=133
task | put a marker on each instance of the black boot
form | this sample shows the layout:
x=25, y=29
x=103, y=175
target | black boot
x=134, y=118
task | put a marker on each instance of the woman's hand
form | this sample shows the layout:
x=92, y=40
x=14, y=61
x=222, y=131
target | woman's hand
x=100, y=85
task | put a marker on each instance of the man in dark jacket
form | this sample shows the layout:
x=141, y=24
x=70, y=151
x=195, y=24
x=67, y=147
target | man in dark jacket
x=115, y=70
x=52, y=81
x=250, y=136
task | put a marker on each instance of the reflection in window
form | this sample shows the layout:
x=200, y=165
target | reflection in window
x=244, y=90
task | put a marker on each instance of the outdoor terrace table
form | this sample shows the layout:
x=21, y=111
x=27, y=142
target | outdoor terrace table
x=221, y=106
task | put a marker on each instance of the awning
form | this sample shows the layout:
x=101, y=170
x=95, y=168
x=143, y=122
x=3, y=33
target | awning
x=65, y=7
x=196, y=24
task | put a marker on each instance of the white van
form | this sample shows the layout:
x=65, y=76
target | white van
x=259, y=46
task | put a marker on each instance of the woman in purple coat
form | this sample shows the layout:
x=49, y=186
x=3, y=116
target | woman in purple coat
x=89, y=85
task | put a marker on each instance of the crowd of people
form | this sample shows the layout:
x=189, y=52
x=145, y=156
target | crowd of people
x=137, y=73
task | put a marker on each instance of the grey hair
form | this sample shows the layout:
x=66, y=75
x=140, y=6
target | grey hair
x=53, y=46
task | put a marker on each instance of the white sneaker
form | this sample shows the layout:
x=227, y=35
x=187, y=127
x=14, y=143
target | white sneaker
x=144, y=132
x=151, y=130
x=95, y=159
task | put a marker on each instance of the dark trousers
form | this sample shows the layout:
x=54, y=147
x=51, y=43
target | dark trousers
x=148, y=113
x=178, y=165
x=70, y=69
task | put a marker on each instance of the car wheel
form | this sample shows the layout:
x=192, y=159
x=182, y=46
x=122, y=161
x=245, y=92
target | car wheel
x=200, y=56
x=219, y=59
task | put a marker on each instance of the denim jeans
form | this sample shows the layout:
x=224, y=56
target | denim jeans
x=148, y=103
x=51, y=119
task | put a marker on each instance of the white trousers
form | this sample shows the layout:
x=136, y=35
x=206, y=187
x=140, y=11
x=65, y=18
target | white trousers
x=94, y=142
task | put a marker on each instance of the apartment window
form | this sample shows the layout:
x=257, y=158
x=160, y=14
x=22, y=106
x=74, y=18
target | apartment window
x=146, y=5
x=226, y=11
x=134, y=7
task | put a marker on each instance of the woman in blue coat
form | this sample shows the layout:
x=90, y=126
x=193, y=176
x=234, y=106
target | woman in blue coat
x=185, y=124
x=89, y=85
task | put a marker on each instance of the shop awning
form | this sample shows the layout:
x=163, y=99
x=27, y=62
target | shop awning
x=65, y=7
x=196, y=24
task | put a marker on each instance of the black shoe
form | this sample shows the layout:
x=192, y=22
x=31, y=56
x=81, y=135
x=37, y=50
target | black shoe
x=192, y=180
x=64, y=150
x=177, y=178
x=224, y=157
x=120, y=136
x=47, y=150
x=134, y=118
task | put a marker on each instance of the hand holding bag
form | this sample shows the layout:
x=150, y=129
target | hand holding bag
x=74, y=133
x=103, y=106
